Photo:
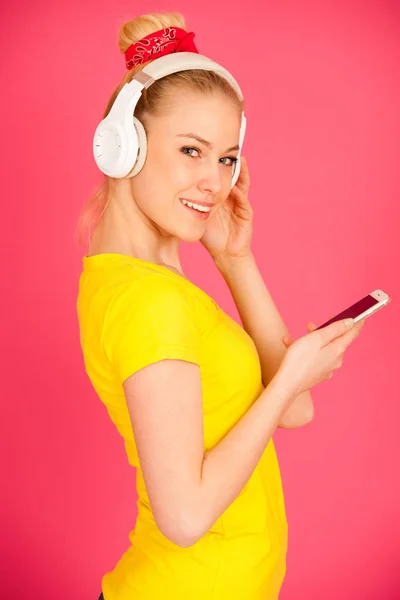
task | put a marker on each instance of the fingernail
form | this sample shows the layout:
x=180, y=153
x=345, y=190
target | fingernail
x=349, y=322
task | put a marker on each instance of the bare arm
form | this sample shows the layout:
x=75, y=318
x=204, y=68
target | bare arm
x=229, y=465
x=261, y=319
x=187, y=490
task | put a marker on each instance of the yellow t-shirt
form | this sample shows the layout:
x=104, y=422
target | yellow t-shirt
x=133, y=313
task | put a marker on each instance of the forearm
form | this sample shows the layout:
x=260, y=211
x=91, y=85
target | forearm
x=262, y=321
x=229, y=465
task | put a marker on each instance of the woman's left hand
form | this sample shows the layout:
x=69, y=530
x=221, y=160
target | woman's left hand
x=229, y=230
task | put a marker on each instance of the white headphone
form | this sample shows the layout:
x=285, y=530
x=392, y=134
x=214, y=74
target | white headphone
x=120, y=143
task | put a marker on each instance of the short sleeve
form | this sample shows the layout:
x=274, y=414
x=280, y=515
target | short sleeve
x=148, y=320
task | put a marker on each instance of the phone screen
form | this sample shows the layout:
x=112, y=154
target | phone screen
x=354, y=310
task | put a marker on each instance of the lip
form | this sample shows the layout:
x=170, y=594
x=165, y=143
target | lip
x=208, y=204
x=196, y=214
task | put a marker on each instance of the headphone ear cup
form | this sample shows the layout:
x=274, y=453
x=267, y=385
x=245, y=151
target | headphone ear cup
x=236, y=169
x=236, y=173
x=142, y=147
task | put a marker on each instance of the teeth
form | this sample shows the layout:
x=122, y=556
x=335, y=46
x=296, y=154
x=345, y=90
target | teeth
x=196, y=206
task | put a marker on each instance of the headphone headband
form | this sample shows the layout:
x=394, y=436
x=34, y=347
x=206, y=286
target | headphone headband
x=185, y=61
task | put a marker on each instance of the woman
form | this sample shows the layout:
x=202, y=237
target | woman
x=182, y=381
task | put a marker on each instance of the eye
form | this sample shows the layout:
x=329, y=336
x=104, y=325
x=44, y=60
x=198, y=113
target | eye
x=231, y=158
x=187, y=149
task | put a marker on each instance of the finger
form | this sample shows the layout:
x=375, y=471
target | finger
x=312, y=326
x=243, y=161
x=286, y=340
x=344, y=341
x=338, y=329
x=244, y=175
x=355, y=331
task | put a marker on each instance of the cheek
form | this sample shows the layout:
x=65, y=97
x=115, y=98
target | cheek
x=173, y=177
x=174, y=172
x=180, y=174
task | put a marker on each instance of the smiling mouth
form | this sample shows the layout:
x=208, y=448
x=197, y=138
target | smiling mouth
x=198, y=213
x=206, y=205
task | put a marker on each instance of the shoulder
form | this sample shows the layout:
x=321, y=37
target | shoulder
x=153, y=289
x=153, y=301
x=149, y=319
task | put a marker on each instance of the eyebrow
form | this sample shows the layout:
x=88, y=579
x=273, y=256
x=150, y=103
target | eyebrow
x=203, y=141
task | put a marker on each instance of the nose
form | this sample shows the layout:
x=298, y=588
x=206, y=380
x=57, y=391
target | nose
x=211, y=181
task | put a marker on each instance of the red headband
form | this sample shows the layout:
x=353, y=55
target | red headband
x=162, y=42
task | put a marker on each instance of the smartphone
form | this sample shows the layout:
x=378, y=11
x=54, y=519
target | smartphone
x=363, y=308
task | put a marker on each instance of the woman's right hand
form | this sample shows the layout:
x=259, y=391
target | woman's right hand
x=314, y=357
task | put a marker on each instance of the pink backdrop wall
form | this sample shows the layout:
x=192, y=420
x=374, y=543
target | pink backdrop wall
x=322, y=88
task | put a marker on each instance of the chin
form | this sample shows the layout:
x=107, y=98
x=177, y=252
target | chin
x=189, y=236
x=185, y=234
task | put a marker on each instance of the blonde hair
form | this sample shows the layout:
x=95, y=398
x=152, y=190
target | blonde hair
x=149, y=104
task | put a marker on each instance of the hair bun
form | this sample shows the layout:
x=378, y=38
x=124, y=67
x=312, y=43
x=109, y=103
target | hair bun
x=134, y=30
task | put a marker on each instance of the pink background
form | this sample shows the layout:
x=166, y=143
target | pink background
x=322, y=86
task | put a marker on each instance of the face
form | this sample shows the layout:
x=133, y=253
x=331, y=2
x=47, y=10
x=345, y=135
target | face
x=180, y=167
